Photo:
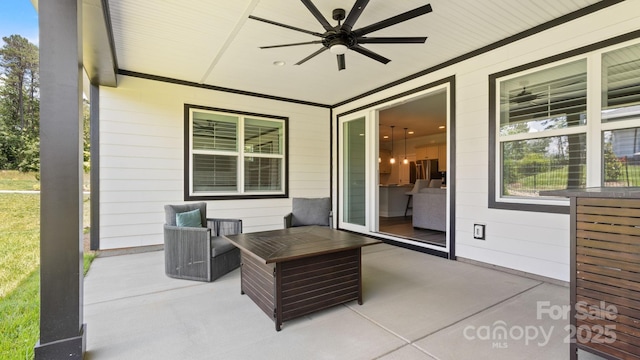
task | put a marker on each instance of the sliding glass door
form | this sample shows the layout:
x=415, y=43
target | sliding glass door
x=372, y=190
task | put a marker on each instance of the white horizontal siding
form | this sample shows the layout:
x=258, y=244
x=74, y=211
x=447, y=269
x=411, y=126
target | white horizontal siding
x=141, y=164
x=533, y=242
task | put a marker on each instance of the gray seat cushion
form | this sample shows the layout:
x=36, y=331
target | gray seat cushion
x=220, y=245
x=310, y=211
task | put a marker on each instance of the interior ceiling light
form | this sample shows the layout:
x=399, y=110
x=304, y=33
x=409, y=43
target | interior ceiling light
x=279, y=63
x=441, y=127
x=405, y=161
x=393, y=159
x=411, y=132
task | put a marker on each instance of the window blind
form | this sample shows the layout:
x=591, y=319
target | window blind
x=621, y=84
x=215, y=173
x=262, y=137
x=215, y=132
x=548, y=99
x=262, y=174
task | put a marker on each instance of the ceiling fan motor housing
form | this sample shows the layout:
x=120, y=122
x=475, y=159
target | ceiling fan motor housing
x=339, y=14
x=339, y=38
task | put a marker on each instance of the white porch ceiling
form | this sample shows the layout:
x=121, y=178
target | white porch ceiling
x=213, y=42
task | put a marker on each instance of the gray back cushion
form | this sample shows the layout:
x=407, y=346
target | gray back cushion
x=170, y=212
x=310, y=211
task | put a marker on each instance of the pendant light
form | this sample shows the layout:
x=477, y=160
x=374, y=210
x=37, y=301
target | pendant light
x=405, y=161
x=393, y=159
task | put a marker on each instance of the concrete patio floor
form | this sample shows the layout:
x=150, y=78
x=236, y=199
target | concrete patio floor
x=416, y=306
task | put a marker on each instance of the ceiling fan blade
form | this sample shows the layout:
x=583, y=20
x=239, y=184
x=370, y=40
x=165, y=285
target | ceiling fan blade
x=354, y=14
x=341, y=62
x=285, y=26
x=317, y=14
x=393, y=20
x=369, y=53
x=294, y=44
x=391, y=40
x=310, y=56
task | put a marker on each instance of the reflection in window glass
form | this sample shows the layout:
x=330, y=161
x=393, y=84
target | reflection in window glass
x=263, y=136
x=554, y=98
x=621, y=157
x=550, y=163
x=214, y=132
x=621, y=84
x=262, y=174
x=354, y=167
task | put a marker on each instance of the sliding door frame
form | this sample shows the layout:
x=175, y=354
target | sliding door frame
x=370, y=112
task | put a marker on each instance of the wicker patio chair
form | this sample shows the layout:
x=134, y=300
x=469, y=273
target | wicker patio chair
x=309, y=211
x=199, y=253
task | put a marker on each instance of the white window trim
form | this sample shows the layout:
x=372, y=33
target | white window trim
x=240, y=155
x=581, y=129
x=593, y=129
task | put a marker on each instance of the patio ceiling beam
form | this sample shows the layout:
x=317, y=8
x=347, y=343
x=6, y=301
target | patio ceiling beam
x=99, y=54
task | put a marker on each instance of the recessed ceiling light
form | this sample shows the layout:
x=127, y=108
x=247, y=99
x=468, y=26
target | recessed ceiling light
x=385, y=137
x=441, y=127
x=279, y=63
x=410, y=133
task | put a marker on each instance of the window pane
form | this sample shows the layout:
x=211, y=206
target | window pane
x=621, y=157
x=551, y=163
x=262, y=174
x=263, y=136
x=354, y=168
x=621, y=84
x=214, y=132
x=553, y=98
x=214, y=173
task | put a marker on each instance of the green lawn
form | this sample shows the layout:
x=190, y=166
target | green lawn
x=19, y=275
x=557, y=179
x=20, y=265
x=20, y=319
x=15, y=180
x=19, y=239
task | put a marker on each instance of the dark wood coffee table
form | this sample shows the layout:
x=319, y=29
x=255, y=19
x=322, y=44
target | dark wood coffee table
x=292, y=272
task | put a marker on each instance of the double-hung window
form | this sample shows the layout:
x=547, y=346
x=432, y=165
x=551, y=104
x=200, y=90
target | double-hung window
x=542, y=131
x=234, y=155
x=551, y=129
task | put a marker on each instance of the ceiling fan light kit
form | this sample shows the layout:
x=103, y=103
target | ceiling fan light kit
x=338, y=49
x=341, y=38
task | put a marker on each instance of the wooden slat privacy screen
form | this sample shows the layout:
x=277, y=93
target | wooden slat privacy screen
x=606, y=290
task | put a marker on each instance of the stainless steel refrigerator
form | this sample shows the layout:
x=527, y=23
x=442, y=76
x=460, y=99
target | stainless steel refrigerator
x=427, y=169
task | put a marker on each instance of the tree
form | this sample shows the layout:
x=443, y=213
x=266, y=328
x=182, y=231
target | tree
x=19, y=104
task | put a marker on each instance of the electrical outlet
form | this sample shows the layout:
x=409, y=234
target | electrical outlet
x=478, y=231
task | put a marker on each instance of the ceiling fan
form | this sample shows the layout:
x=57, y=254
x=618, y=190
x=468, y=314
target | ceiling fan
x=523, y=96
x=338, y=39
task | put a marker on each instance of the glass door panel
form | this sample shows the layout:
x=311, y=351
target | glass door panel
x=354, y=204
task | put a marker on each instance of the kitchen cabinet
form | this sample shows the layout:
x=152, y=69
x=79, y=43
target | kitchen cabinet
x=384, y=165
x=442, y=157
x=426, y=152
x=393, y=200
